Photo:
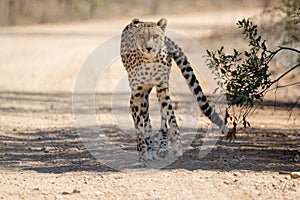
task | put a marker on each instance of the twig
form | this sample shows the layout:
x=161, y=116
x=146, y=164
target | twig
x=280, y=48
x=282, y=86
x=289, y=48
x=285, y=73
x=290, y=110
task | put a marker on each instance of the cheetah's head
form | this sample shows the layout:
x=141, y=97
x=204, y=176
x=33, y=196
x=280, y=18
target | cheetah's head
x=149, y=36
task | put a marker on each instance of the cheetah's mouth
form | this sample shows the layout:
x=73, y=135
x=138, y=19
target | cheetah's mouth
x=149, y=54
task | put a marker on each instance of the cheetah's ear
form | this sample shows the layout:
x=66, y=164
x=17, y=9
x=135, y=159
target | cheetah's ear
x=162, y=23
x=136, y=22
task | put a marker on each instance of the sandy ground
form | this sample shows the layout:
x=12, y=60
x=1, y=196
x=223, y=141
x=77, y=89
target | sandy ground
x=43, y=157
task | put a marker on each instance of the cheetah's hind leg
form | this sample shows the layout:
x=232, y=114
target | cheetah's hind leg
x=175, y=139
x=165, y=133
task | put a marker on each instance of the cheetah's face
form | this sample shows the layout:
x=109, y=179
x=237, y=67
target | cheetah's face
x=149, y=37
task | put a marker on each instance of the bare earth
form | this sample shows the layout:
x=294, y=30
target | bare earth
x=42, y=156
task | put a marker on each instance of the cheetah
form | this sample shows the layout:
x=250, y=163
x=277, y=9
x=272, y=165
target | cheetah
x=147, y=54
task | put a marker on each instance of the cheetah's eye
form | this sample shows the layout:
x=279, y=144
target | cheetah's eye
x=155, y=36
x=141, y=36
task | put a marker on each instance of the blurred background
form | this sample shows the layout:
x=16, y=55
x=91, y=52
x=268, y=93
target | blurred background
x=21, y=12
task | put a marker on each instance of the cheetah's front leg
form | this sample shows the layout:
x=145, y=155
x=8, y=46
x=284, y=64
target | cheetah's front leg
x=147, y=124
x=137, y=116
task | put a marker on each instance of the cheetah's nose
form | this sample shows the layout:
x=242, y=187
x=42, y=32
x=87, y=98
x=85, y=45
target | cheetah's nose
x=149, y=48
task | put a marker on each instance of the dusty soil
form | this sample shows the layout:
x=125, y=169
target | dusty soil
x=43, y=157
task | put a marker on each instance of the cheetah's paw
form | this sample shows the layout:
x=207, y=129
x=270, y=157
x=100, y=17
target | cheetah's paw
x=162, y=152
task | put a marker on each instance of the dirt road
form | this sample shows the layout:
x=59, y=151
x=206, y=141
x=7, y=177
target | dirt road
x=42, y=156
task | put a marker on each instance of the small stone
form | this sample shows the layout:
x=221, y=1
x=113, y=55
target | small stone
x=282, y=180
x=237, y=173
x=73, y=149
x=76, y=162
x=98, y=192
x=65, y=193
x=102, y=176
x=45, y=150
x=295, y=175
x=242, y=148
x=76, y=191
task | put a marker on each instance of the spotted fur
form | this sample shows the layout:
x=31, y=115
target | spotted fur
x=147, y=55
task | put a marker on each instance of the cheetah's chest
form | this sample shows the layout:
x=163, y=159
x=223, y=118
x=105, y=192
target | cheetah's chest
x=149, y=74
